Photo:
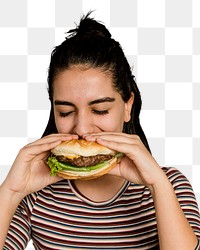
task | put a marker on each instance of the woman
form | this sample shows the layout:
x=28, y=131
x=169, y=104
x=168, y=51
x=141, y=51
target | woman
x=138, y=205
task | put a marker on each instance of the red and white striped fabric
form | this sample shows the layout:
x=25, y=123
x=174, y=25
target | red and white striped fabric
x=58, y=217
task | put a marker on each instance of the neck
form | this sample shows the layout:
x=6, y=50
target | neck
x=100, y=189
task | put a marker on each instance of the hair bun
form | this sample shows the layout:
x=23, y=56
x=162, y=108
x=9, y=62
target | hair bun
x=88, y=26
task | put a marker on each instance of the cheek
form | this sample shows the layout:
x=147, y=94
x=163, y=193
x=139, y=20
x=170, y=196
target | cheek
x=112, y=123
x=63, y=126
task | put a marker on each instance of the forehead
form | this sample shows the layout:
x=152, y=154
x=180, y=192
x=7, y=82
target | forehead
x=79, y=83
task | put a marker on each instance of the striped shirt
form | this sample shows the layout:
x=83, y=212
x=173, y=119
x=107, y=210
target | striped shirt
x=58, y=217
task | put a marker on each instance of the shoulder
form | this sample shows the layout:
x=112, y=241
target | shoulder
x=52, y=191
x=182, y=186
x=174, y=174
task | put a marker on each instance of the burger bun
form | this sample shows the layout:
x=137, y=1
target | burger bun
x=73, y=175
x=81, y=148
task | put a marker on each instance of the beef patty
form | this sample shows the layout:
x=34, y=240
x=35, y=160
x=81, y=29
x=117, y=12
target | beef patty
x=85, y=161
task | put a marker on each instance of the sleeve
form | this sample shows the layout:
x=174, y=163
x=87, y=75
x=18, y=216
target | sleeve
x=198, y=245
x=19, y=232
x=186, y=198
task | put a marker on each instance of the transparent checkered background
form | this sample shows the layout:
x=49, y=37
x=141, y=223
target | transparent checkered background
x=161, y=39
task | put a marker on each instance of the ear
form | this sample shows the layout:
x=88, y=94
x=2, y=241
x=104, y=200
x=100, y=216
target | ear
x=128, y=107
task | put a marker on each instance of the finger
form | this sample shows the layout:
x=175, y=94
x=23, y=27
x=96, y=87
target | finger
x=109, y=133
x=53, y=137
x=35, y=149
x=117, y=137
x=42, y=156
x=123, y=147
x=61, y=135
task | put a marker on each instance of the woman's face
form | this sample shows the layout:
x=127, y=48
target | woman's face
x=85, y=102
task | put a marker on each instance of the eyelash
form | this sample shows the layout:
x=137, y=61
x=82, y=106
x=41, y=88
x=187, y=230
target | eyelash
x=65, y=114
x=97, y=112
x=100, y=112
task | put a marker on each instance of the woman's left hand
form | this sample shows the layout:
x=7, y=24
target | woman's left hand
x=138, y=165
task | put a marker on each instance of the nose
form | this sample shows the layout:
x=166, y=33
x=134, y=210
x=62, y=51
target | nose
x=83, y=124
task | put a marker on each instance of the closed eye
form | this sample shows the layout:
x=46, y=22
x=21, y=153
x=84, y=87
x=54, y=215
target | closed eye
x=62, y=114
x=100, y=112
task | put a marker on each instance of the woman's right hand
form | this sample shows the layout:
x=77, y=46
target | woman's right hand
x=29, y=172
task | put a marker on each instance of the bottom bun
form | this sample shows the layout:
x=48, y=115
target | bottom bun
x=73, y=175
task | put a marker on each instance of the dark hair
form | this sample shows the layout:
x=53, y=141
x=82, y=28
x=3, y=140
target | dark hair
x=90, y=45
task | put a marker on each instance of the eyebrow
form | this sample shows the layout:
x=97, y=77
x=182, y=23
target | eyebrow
x=101, y=100
x=64, y=103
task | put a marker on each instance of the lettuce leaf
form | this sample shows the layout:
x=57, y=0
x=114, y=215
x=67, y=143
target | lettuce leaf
x=56, y=166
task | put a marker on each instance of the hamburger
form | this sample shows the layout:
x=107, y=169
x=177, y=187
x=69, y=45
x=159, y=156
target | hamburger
x=81, y=159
